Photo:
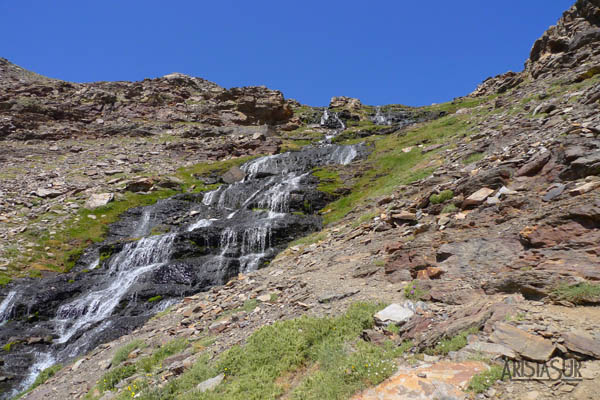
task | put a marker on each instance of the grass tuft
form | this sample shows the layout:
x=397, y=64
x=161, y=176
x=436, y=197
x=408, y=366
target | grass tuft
x=455, y=343
x=581, y=293
x=483, y=381
x=414, y=291
x=123, y=352
x=445, y=195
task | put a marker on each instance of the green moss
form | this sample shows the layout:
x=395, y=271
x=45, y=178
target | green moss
x=329, y=180
x=4, y=280
x=581, y=293
x=61, y=251
x=191, y=175
x=8, y=346
x=35, y=273
x=474, y=157
x=308, y=240
x=365, y=218
x=148, y=364
x=110, y=379
x=294, y=145
x=145, y=365
x=442, y=197
x=154, y=299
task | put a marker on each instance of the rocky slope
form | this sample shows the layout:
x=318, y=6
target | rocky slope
x=482, y=225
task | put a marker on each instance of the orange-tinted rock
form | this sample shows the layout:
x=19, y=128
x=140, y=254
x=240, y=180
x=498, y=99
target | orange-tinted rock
x=443, y=380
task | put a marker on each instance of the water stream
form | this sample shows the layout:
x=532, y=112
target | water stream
x=232, y=229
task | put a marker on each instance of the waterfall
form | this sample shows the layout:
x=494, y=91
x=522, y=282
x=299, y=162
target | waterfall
x=238, y=227
x=76, y=316
x=144, y=224
x=332, y=120
x=135, y=259
x=7, y=305
x=379, y=118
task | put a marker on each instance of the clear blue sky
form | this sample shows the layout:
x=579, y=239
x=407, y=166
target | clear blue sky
x=410, y=52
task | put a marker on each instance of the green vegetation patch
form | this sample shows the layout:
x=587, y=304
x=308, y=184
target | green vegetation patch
x=473, y=157
x=389, y=166
x=123, y=352
x=483, y=381
x=414, y=291
x=90, y=226
x=581, y=293
x=445, y=195
x=308, y=240
x=145, y=365
x=303, y=358
x=455, y=343
x=449, y=208
x=329, y=180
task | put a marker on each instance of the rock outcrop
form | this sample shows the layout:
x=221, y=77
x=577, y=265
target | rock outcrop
x=35, y=107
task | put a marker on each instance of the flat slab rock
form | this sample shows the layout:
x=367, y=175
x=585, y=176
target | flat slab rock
x=492, y=349
x=478, y=197
x=443, y=380
x=583, y=343
x=525, y=344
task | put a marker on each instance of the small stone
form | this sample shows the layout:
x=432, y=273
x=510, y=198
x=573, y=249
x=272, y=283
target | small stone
x=583, y=343
x=140, y=185
x=478, y=197
x=586, y=187
x=264, y=298
x=77, y=364
x=533, y=395
x=48, y=193
x=394, y=314
x=210, y=384
x=98, y=200
x=554, y=192
x=404, y=216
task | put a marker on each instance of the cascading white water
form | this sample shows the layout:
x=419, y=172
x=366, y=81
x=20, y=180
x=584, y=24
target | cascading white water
x=7, y=305
x=379, y=118
x=42, y=361
x=201, y=223
x=277, y=197
x=134, y=260
x=144, y=224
